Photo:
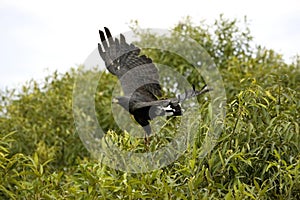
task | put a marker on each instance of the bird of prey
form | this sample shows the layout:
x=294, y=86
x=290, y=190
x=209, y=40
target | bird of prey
x=139, y=81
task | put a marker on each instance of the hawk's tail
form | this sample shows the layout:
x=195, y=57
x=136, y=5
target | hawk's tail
x=193, y=93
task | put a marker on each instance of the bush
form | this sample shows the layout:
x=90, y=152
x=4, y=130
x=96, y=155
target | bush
x=256, y=157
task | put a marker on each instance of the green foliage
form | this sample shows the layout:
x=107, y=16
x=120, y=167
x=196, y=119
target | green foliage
x=41, y=116
x=256, y=157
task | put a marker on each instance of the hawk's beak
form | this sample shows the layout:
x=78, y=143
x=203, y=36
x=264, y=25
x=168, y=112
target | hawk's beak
x=115, y=100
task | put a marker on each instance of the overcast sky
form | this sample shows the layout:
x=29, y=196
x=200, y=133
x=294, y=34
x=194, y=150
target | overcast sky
x=38, y=37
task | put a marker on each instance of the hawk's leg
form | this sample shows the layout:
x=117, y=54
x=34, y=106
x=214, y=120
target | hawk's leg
x=147, y=130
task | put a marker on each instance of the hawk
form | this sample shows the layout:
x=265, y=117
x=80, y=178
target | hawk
x=139, y=80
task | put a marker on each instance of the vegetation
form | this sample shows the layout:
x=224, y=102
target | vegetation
x=257, y=155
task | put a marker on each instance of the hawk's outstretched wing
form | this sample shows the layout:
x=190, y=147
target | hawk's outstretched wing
x=137, y=74
x=174, y=101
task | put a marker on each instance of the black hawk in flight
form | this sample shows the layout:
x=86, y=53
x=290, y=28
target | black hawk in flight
x=139, y=81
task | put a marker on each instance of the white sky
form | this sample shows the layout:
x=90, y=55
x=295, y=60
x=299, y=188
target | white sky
x=38, y=37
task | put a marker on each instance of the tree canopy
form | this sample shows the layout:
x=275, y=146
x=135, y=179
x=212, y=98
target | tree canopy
x=256, y=157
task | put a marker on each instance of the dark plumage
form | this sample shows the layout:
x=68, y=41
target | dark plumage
x=139, y=80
